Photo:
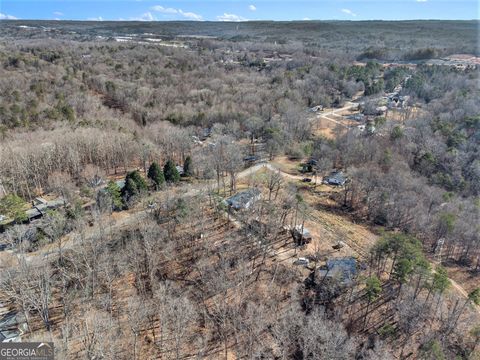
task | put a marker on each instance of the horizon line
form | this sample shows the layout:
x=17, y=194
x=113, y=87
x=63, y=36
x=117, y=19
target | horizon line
x=239, y=22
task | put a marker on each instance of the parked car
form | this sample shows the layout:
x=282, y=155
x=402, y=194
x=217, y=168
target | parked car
x=251, y=158
x=301, y=261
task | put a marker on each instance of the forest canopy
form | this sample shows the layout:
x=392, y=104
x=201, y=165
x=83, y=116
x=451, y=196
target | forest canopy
x=190, y=165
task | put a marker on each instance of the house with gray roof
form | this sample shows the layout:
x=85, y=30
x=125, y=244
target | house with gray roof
x=337, y=178
x=243, y=200
x=11, y=325
x=343, y=270
x=40, y=206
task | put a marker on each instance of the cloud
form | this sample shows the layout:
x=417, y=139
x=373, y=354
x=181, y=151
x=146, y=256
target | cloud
x=230, y=17
x=144, y=17
x=98, y=18
x=186, y=14
x=190, y=15
x=58, y=13
x=163, y=10
x=422, y=0
x=306, y=19
x=348, y=12
x=7, y=17
x=252, y=7
x=147, y=17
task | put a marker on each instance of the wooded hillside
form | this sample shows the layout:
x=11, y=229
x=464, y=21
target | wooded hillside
x=303, y=190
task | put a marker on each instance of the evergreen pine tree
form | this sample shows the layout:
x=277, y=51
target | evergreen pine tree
x=170, y=172
x=115, y=194
x=188, y=167
x=134, y=185
x=130, y=189
x=138, y=179
x=155, y=174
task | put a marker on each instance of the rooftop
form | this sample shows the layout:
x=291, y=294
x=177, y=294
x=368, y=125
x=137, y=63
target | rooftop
x=41, y=205
x=336, y=178
x=342, y=269
x=243, y=199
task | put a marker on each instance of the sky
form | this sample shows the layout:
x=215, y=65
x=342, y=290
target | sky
x=239, y=10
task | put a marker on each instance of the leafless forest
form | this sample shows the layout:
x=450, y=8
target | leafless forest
x=124, y=148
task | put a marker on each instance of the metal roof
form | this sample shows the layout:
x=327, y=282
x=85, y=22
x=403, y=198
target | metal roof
x=343, y=269
x=243, y=199
x=337, y=178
